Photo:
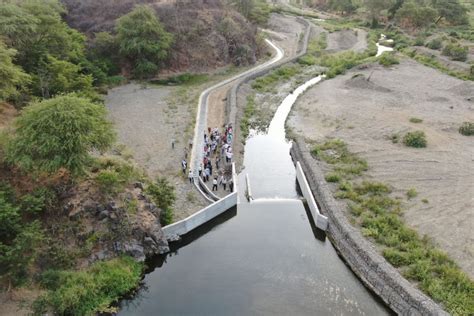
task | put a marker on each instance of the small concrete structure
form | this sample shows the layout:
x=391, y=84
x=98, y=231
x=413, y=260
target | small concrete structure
x=320, y=220
x=174, y=231
x=249, y=189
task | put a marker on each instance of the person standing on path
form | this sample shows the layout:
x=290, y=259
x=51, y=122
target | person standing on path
x=224, y=182
x=231, y=185
x=190, y=176
x=214, y=184
x=184, y=165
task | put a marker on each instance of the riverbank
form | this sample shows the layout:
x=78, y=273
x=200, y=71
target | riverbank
x=370, y=116
x=374, y=271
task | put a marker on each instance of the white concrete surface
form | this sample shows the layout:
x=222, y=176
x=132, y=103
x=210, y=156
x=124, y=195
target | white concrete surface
x=173, y=231
x=320, y=220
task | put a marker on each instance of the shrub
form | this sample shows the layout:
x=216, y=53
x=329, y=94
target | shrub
x=17, y=255
x=59, y=133
x=333, y=177
x=412, y=193
x=415, y=120
x=89, y=291
x=456, y=52
x=467, y=129
x=388, y=59
x=435, y=43
x=108, y=181
x=415, y=139
x=163, y=195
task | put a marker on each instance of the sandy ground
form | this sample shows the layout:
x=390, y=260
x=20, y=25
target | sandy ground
x=365, y=114
x=147, y=120
x=17, y=302
x=355, y=40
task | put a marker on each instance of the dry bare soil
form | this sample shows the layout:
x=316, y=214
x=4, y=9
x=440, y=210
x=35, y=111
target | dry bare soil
x=365, y=114
x=147, y=120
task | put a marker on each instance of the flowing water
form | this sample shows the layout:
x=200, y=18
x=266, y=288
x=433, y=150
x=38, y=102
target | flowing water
x=263, y=258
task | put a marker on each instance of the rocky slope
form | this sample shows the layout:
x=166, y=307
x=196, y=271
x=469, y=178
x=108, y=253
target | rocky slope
x=207, y=33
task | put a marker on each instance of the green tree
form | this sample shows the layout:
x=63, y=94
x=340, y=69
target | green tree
x=451, y=10
x=36, y=30
x=12, y=77
x=54, y=76
x=375, y=7
x=143, y=41
x=163, y=195
x=416, y=15
x=59, y=133
x=343, y=6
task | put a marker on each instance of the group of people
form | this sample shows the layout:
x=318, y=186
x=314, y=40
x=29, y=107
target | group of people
x=214, y=139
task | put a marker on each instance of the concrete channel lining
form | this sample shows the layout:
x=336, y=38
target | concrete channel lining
x=174, y=231
x=362, y=257
x=320, y=220
x=231, y=105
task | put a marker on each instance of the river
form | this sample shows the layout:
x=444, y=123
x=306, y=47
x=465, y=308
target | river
x=261, y=258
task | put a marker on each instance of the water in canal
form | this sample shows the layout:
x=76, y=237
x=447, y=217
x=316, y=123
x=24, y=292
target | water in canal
x=263, y=258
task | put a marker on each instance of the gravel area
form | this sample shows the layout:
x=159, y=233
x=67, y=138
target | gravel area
x=147, y=120
x=355, y=40
x=365, y=114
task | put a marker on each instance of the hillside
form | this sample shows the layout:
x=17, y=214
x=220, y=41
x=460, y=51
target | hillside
x=207, y=34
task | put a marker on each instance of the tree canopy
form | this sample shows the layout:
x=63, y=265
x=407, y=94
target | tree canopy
x=59, y=133
x=143, y=40
x=35, y=29
x=12, y=77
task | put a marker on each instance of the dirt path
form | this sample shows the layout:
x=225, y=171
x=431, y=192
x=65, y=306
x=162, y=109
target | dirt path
x=366, y=115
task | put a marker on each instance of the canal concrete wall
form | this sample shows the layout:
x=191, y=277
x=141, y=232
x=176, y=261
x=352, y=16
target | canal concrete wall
x=376, y=273
x=231, y=104
x=174, y=231
x=319, y=219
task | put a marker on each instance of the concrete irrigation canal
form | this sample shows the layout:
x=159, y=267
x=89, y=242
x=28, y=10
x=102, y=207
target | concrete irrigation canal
x=262, y=257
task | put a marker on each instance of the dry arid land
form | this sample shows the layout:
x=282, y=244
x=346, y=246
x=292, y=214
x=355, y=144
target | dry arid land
x=365, y=114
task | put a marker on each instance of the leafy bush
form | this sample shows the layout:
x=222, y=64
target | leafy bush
x=89, y=291
x=333, y=177
x=108, y=181
x=412, y=193
x=456, y=52
x=38, y=201
x=387, y=59
x=435, y=43
x=467, y=129
x=415, y=139
x=163, y=195
x=415, y=120
x=59, y=133
x=335, y=152
x=17, y=255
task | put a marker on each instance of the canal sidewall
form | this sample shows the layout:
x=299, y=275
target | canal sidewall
x=374, y=271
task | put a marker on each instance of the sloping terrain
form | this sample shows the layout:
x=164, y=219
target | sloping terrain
x=206, y=33
x=367, y=115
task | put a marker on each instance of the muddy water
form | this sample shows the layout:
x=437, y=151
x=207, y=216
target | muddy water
x=263, y=258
